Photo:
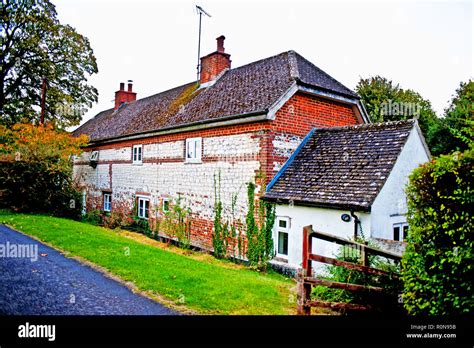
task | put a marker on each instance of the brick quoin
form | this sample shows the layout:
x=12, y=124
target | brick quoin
x=292, y=122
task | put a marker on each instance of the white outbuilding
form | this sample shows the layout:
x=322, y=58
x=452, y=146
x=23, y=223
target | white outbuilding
x=346, y=181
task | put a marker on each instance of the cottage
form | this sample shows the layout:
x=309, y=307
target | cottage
x=346, y=181
x=242, y=123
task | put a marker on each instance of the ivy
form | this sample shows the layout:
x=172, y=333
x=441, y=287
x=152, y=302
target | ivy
x=219, y=226
x=259, y=233
x=227, y=233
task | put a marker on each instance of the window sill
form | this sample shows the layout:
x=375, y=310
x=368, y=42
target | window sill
x=137, y=163
x=281, y=258
x=193, y=162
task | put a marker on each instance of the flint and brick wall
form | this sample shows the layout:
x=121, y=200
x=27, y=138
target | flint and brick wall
x=238, y=152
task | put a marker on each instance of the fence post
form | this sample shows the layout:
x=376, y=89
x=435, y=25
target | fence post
x=300, y=292
x=305, y=288
x=364, y=256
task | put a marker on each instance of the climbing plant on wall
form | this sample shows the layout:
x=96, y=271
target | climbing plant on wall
x=259, y=231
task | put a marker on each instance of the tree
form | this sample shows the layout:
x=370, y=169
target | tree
x=456, y=129
x=386, y=101
x=438, y=265
x=36, y=46
x=36, y=169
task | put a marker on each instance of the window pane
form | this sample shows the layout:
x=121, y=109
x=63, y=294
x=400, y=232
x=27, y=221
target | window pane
x=283, y=243
x=192, y=149
x=166, y=205
x=134, y=154
x=139, y=153
x=396, y=233
x=197, y=149
x=405, y=232
x=147, y=205
x=282, y=223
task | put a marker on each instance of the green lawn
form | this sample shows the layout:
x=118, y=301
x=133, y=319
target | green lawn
x=206, y=285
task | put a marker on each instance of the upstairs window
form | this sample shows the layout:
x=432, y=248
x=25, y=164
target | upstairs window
x=137, y=154
x=400, y=231
x=143, y=207
x=107, y=201
x=193, y=150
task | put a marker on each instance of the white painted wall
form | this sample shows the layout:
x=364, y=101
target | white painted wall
x=390, y=206
x=323, y=220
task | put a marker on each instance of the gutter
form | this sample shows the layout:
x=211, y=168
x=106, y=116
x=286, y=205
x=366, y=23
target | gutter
x=318, y=205
x=351, y=100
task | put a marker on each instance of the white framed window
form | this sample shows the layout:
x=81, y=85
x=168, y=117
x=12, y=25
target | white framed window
x=400, y=231
x=193, y=150
x=166, y=205
x=143, y=207
x=137, y=154
x=282, y=229
x=107, y=201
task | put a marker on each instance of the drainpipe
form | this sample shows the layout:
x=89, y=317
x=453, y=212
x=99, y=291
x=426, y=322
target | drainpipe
x=356, y=223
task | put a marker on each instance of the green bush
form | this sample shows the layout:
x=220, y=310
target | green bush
x=93, y=217
x=36, y=187
x=438, y=265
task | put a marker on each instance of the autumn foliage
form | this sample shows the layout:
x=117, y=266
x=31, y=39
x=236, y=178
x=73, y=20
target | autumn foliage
x=36, y=169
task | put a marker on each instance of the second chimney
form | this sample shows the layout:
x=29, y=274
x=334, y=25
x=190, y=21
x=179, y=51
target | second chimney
x=123, y=96
x=213, y=64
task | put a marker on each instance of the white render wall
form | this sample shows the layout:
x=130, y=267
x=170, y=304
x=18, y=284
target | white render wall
x=390, y=206
x=323, y=220
x=234, y=156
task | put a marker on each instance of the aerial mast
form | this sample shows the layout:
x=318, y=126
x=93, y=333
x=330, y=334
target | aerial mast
x=200, y=11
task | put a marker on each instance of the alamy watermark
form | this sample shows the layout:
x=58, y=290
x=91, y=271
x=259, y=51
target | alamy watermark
x=13, y=250
x=399, y=108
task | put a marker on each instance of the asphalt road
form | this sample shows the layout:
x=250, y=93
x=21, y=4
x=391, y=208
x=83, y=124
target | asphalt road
x=57, y=285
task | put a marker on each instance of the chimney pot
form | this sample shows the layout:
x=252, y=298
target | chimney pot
x=220, y=44
x=130, y=85
x=122, y=86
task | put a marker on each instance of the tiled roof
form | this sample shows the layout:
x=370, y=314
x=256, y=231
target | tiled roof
x=242, y=91
x=341, y=167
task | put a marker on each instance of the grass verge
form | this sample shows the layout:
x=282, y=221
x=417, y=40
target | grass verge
x=191, y=280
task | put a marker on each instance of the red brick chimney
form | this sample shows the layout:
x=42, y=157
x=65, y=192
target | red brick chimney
x=213, y=64
x=123, y=96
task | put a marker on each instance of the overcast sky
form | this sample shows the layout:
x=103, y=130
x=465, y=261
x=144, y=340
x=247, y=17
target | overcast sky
x=423, y=45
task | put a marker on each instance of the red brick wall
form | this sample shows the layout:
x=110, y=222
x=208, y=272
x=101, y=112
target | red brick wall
x=297, y=117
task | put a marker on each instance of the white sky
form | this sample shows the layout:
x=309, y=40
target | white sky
x=423, y=45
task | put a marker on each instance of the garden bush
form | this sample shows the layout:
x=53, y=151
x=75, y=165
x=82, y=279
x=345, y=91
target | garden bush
x=438, y=265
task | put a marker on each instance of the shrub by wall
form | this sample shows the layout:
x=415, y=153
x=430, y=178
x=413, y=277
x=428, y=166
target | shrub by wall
x=438, y=265
x=36, y=169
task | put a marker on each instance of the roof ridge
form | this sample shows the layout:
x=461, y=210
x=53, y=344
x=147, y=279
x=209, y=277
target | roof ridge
x=367, y=125
x=293, y=64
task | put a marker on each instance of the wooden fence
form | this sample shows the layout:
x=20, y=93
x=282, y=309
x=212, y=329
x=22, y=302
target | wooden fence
x=306, y=280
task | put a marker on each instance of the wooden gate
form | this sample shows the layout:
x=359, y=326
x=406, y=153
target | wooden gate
x=306, y=280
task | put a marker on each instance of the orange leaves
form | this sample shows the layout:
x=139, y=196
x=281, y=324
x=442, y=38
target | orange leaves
x=39, y=143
